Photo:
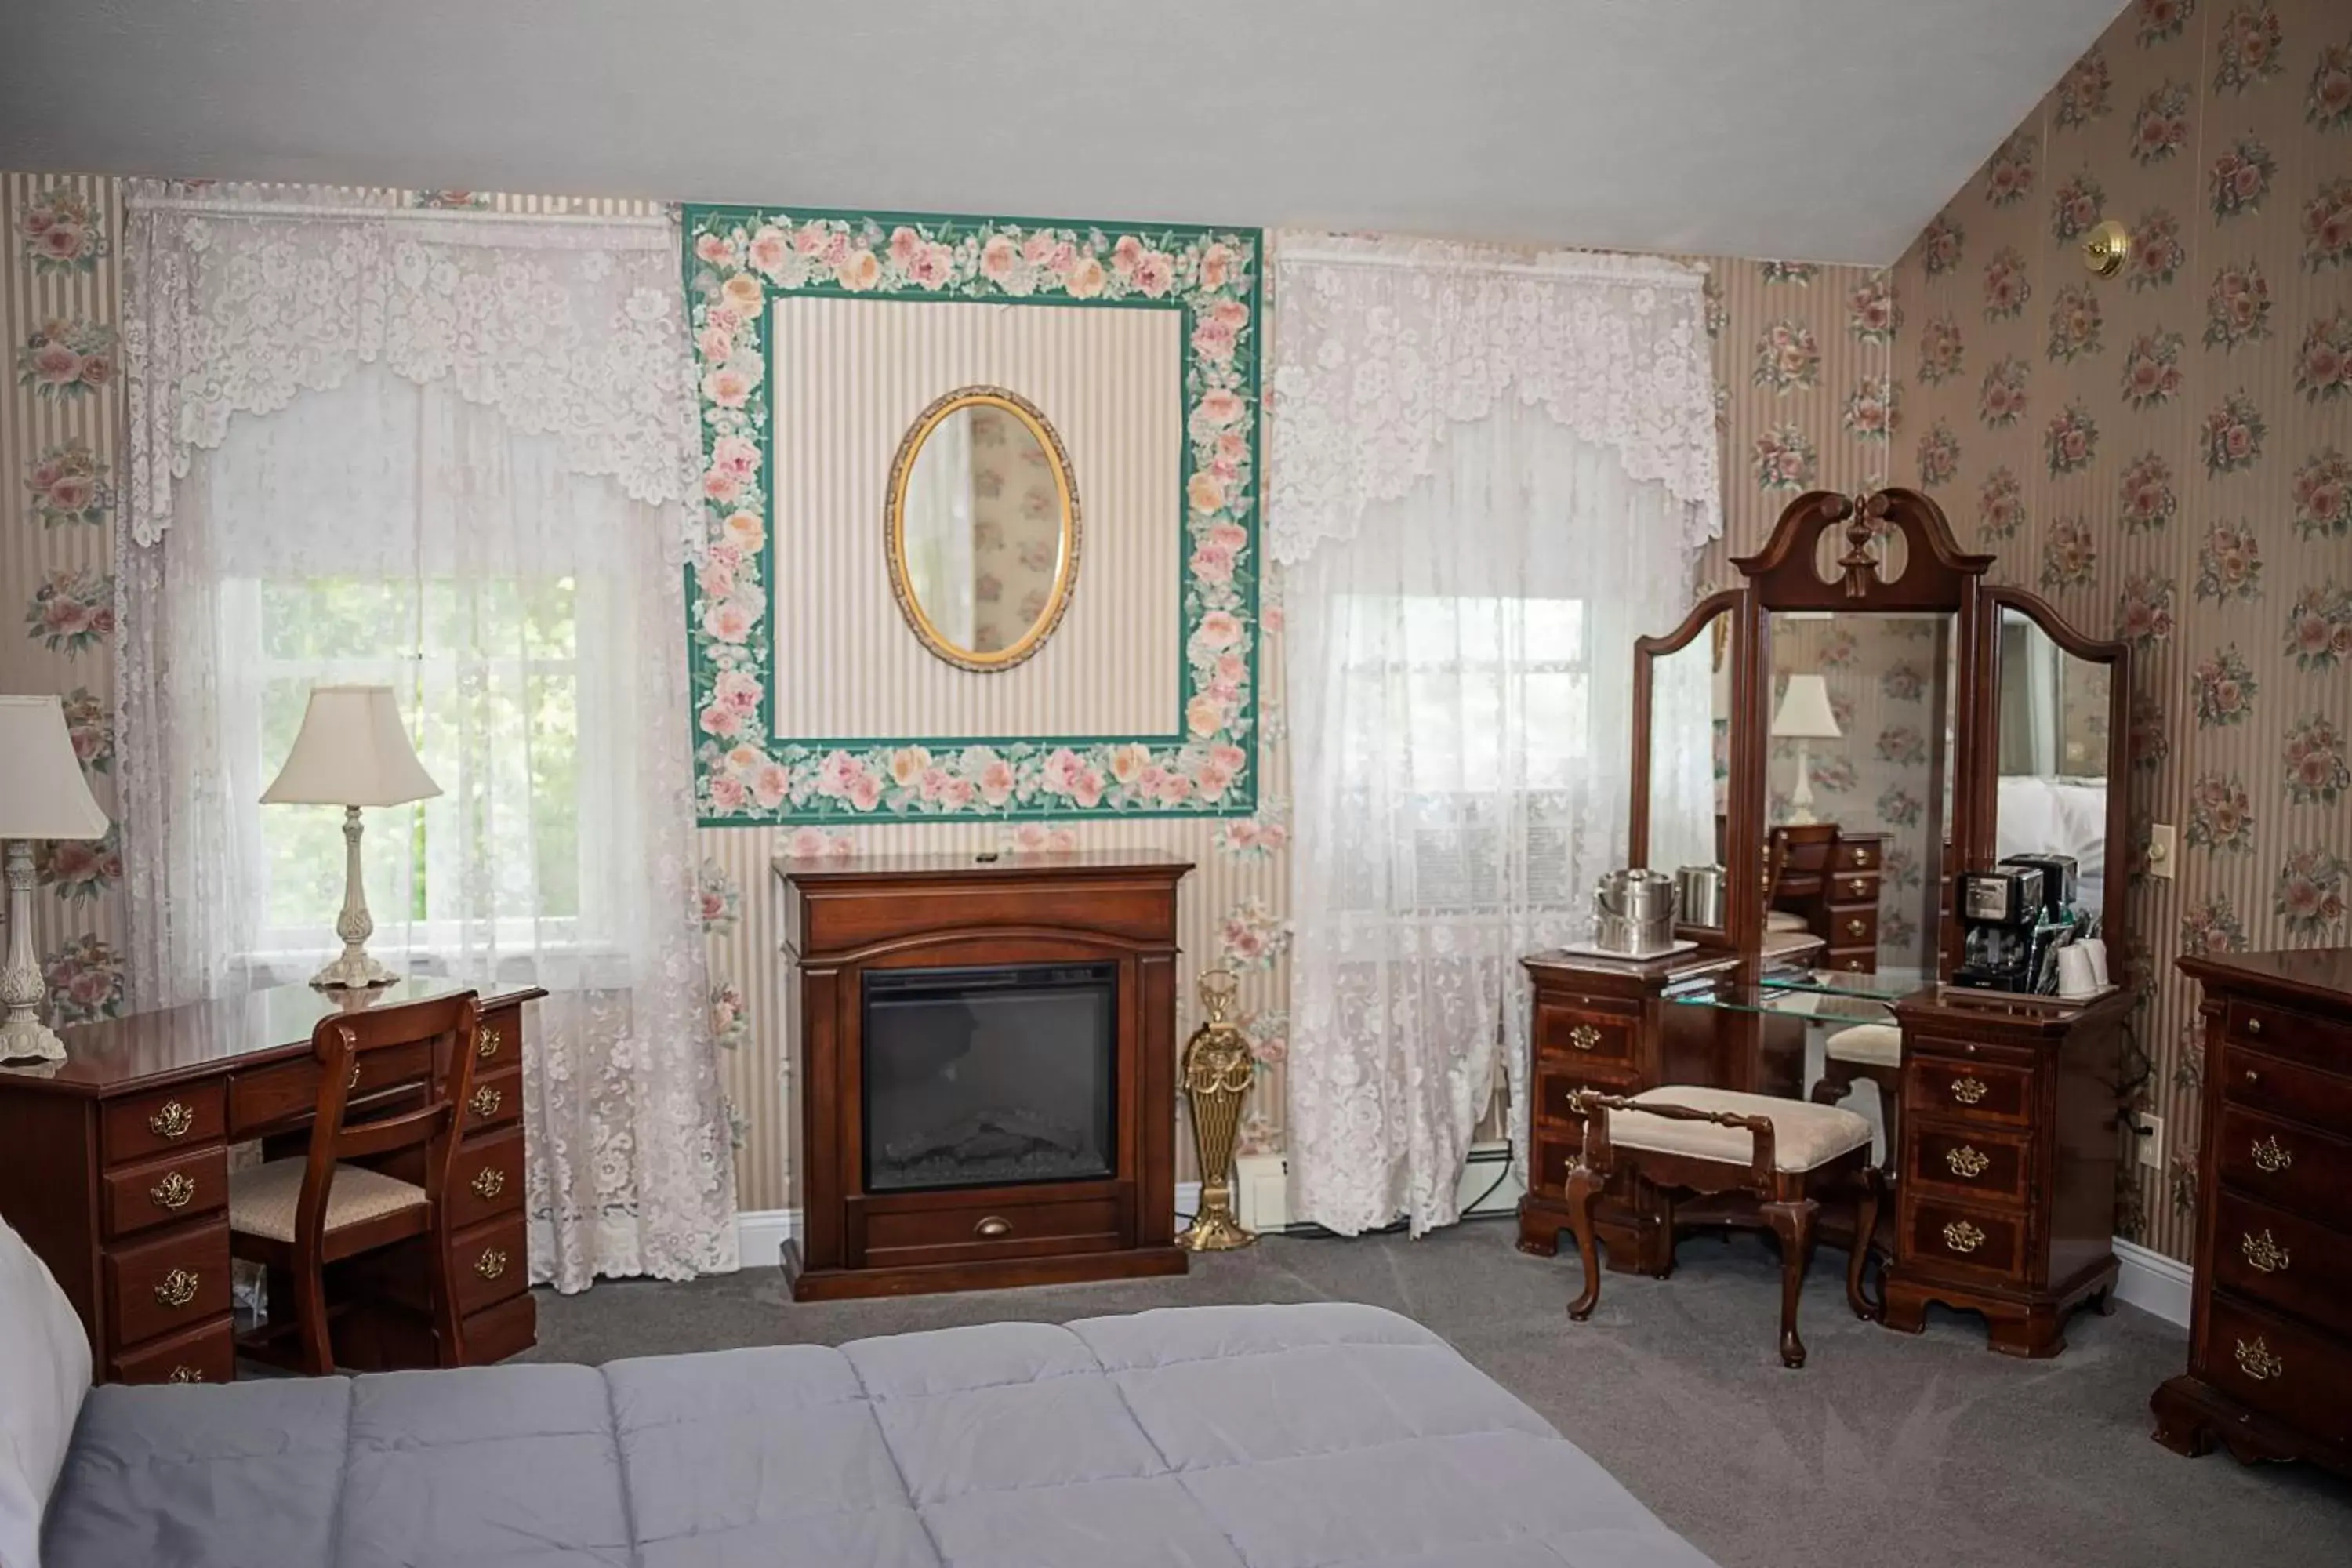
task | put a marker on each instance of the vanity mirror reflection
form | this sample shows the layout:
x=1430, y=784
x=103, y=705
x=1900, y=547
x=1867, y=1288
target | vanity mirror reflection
x=982, y=530
x=1682, y=721
x=2055, y=717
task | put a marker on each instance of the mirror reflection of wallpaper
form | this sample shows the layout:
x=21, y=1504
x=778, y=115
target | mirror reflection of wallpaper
x=1016, y=530
x=1889, y=686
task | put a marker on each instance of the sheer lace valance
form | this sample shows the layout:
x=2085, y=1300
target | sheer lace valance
x=569, y=328
x=1380, y=345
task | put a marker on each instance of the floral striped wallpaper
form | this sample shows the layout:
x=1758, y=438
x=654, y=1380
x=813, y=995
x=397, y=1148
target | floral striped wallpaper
x=2166, y=455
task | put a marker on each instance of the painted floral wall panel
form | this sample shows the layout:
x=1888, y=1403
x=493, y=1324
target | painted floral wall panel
x=2166, y=455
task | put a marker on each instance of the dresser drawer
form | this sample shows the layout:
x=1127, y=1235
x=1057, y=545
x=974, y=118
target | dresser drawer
x=498, y=1044
x=164, y=1192
x=1854, y=928
x=205, y=1354
x=487, y=1180
x=2280, y=1259
x=1576, y=1034
x=2278, y=1367
x=1854, y=961
x=1951, y=1236
x=1550, y=1159
x=489, y=1262
x=493, y=1101
x=999, y=1229
x=496, y=1333
x=162, y=1285
x=1852, y=887
x=2291, y=1167
x=165, y=1121
x=1966, y=1090
x=1978, y=1167
x=1857, y=855
x=2322, y=1042
x=2276, y=1087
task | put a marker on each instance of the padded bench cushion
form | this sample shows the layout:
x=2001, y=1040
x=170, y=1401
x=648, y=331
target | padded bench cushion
x=1878, y=1045
x=1804, y=1135
x=1326, y=1436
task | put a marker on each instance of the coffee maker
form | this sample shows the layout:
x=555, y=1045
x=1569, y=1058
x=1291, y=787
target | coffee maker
x=2003, y=942
x=2058, y=906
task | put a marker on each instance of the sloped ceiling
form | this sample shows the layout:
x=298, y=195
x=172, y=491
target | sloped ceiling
x=1821, y=130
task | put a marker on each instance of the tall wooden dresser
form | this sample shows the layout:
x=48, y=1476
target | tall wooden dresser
x=2270, y=1341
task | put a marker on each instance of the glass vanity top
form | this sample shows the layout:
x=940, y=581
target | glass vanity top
x=1884, y=985
x=1816, y=996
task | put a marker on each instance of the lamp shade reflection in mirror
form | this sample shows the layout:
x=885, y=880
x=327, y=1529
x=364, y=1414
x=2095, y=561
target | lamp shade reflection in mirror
x=981, y=527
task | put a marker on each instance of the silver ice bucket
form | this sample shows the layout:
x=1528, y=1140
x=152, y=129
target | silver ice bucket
x=1699, y=896
x=1634, y=913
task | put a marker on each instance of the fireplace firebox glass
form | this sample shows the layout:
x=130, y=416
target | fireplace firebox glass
x=990, y=1077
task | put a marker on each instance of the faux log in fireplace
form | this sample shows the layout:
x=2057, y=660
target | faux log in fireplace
x=985, y=1055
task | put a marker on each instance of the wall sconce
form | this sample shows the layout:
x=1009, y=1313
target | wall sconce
x=2105, y=248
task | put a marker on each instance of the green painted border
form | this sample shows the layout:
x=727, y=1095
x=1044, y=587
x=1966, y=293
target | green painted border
x=737, y=260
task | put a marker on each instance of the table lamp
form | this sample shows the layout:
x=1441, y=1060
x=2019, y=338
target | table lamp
x=42, y=795
x=351, y=752
x=1804, y=715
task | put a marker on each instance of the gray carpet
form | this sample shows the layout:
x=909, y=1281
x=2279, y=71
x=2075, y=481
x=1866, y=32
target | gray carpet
x=1925, y=1452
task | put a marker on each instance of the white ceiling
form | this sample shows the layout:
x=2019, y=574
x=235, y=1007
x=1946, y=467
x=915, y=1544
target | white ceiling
x=1821, y=130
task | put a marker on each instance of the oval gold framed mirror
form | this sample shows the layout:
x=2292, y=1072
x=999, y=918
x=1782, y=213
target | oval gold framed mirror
x=982, y=529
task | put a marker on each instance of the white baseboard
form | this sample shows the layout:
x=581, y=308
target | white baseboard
x=760, y=1233
x=2153, y=1282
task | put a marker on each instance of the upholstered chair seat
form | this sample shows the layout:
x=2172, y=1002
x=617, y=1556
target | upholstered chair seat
x=1785, y=919
x=262, y=1200
x=1804, y=1136
x=1877, y=1045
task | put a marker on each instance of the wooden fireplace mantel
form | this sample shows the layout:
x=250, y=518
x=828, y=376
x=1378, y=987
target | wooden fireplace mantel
x=844, y=917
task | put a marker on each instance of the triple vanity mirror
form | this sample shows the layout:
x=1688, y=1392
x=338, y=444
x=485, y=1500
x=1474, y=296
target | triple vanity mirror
x=1859, y=724
x=982, y=529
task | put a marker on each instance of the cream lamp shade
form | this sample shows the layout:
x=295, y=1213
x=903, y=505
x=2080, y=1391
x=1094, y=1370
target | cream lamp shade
x=42, y=795
x=1804, y=713
x=353, y=750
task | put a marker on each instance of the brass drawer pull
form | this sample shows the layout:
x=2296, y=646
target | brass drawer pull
x=2265, y=1255
x=1857, y=886
x=1856, y=927
x=488, y=1045
x=992, y=1227
x=2257, y=1361
x=2254, y=1027
x=186, y=1373
x=1584, y=1036
x=2272, y=1156
x=175, y=1190
x=1966, y=1162
x=2253, y=1077
x=1962, y=1236
x=492, y=1263
x=178, y=1288
x=172, y=1120
x=486, y=1101
x=1969, y=1091
x=488, y=1182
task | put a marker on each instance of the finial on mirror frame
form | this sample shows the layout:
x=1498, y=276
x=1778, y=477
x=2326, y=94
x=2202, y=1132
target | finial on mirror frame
x=1860, y=562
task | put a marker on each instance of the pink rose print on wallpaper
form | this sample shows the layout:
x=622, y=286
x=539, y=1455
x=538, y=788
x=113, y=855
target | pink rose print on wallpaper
x=2229, y=563
x=2006, y=285
x=2225, y=688
x=68, y=484
x=80, y=871
x=2240, y=178
x=2160, y=20
x=84, y=977
x=2071, y=441
x=64, y=361
x=2327, y=226
x=2144, y=616
x=2323, y=495
x=2316, y=771
x=2157, y=250
x=2082, y=92
x=1783, y=459
x=1940, y=245
x=2009, y=174
x=72, y=611
x=2310, y=893
x=2246, y=48
x=1941, y=354
x=2323, y=367
x=2237, y=307
x=2160, y=129
x=2152, y=373
x=2210, y=925
x=2233, y=435
x=91, y=727
x=2076, y=206
x=60, y=233
x=2145, y=495
x=2001, y=505
x=1939, y=455
x=2219, y=814
x=2319, y=627
x=2327, y=100
x=2075, y=322
x=2000, y=400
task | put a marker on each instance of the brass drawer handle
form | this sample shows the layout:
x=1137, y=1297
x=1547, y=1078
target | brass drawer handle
x=1855, y=927
x=2272, y=1156
x=1857, y=886
x=2254, y=1027
x=186, y=1373
x=1584, y=1036
x=2253, y=1077
x=492, y=1263
x=488, y=1182
x=993, y=1226
x=486, y=1101
x=172, y=1120
x=1962, y=1236
x=1969, y=1091
x=488, y=1045
x=2257, y=1361
x=2262, y=1254
x=175, y=1190
x=1966, y=1162
x=178, y=1288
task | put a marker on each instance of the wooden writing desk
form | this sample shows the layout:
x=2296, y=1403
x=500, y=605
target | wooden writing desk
x=114, y=1168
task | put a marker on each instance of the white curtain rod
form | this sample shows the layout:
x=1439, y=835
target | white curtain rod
x=231, y=208
x=1611, y=265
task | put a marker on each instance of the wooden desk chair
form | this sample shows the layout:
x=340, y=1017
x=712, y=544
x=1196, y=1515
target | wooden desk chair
x=1873, y=1051
x=1797, y=861
x=1783, y=1151
x=296, y=1215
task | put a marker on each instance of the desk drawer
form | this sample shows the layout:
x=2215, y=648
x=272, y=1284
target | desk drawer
x=2291, y=1167
x=163, y=1122
x=1858, y=854
x=1968, y=1089
x=497, y=1046
x=2277, y=1087
x=161, y=1286
x=288, y=1093
x=166, y=1191
x=494, y=1101
x=2280, y=1260
x=2277, y=1366
x=1856, y=928
x=1576, y=1034
x=1002, y=1229
x=487, y=1180
x=2322, y=1042
x=1852, y=887
x=205, y=1354
x=1972, y=1164
x=1949, y=1236
x=496, y=1333
x=489, y=1262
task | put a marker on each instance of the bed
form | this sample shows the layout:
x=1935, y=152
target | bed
x=1326, y=1435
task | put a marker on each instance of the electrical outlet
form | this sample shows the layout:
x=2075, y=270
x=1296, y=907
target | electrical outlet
x=2163, y=849
x=2151, y=1141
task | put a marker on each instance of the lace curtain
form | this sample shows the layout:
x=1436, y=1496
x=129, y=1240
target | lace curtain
x=450, y=455
x=1467, y=574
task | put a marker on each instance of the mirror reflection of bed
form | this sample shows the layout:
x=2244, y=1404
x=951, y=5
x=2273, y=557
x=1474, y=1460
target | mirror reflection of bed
x=2052, y=727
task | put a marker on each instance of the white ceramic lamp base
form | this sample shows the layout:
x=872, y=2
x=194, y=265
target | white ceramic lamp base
x=353, y=970
x=1800, y=799
x=23, y=1035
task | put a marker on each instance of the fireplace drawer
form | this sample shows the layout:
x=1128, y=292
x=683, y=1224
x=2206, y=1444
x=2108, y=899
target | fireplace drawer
x=969, y=1231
